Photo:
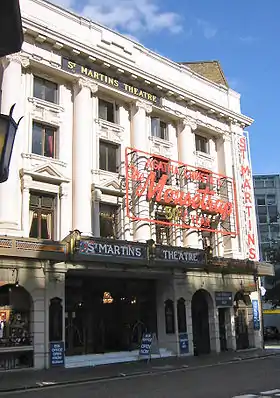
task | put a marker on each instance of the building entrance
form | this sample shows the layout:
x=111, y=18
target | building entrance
x=107, y=314
x=200, y=322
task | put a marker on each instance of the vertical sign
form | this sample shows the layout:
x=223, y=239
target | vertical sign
x=248, y=199
x=57, y=354
x=256, y=315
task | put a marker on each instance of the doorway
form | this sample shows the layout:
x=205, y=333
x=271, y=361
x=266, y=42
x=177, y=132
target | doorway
x=200, y=322
x=241, y=320
x=222, y=329
x=107, y=314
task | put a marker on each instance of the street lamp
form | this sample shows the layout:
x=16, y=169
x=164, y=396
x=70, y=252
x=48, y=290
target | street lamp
x=8, y=129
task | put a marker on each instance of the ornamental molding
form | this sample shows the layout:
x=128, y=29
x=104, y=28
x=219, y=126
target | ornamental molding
x=82, y=82
x=144, y=105
x=24, y=61
x=189, y=121
x=85, y=52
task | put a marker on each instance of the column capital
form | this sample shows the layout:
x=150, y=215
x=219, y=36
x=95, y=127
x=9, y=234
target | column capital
x=83, y=82
x=189, y=121
x=19, y=58
x=144, y=105
x=64, y=190
x=26, y=181
x=96, y=194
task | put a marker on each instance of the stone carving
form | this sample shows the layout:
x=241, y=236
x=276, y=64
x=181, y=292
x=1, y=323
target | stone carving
x=144, y=105
x=189, y=121
x=19, y=58
x=82, y=82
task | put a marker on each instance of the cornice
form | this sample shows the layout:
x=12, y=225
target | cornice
x=190, y=98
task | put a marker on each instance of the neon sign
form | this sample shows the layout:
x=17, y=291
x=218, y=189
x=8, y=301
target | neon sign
x=177, y=194
x=247, y=188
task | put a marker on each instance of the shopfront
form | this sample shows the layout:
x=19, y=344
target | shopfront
x=106, y=314
x=117, y=290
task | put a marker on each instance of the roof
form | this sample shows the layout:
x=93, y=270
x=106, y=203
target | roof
x=211, y=70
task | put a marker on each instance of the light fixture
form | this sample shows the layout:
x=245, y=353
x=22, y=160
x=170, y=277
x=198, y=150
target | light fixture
x=17, y=284
x=107, y=298
x=8, y=129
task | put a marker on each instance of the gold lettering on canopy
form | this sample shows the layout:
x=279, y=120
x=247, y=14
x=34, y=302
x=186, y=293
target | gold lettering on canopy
x=73, y=67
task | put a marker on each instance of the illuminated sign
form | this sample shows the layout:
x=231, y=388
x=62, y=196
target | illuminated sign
x=247, y=188
x=102, y=247
x=172, y=193
x=111, y=81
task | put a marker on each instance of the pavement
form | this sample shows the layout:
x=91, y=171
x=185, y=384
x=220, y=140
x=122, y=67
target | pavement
x=28, y=380
x=251, y=377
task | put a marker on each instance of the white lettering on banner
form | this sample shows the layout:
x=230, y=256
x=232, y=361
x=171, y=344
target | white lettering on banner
x=179, y=255
x=247, y=188
x=92, y=247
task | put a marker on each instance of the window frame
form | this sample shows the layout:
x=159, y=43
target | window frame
x=115, y=110
x=44, y=127
x=44, y=80
x=201, y=138
x=158, y=128
x=40, y=211
x=163, y=228
x=108, y=144
x=116, y=211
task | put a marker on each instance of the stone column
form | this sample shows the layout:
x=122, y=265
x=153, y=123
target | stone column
x=186, y=154
x=82, y=152
x=10, y=202
x=140, y=141
x=25, y=215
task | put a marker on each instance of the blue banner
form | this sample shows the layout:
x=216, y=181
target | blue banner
x=184, y=343
x=57, y=354
x=256, y=315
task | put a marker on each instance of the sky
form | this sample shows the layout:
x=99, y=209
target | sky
x=241, y=34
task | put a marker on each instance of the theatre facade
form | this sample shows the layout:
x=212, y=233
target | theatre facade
x=129, y=208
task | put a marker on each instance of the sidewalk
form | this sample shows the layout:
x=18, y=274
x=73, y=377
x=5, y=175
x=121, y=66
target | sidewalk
x=32, y=379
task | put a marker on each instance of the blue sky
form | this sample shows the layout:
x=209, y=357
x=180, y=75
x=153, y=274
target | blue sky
x=241, y=34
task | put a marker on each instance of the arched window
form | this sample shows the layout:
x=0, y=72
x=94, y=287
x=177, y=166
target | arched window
x=55, y=319
x=181, y=316
x=169, y=317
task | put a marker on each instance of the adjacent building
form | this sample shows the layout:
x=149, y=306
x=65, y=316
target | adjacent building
x=129, y=207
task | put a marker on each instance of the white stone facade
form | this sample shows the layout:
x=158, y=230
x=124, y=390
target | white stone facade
x=188, y=105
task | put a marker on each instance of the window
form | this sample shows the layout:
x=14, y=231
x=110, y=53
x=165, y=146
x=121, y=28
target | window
x=44, y=140
x=41, y=216
x=108, y=154
x=169, y=317
x=106, y=111
x=159, y=128
x=260, y=199
x=258, y=183
x=163, y=232
x=181, y=315
x=273, y=214
x=109, y=221
x=201, y=144
x=262, y=210
x=274, y=231
x=269, y=183
x=45, y=90
x=271, y=199
x=262, y=219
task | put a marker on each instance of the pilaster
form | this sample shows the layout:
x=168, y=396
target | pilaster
x=26, y=219
x=10, y=192
x=186, y=154
x=140, y=141
x=82, y=153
